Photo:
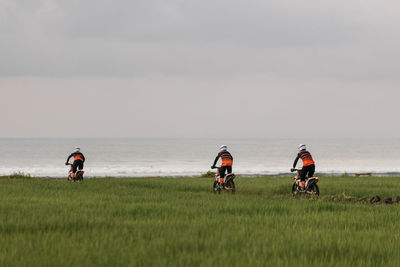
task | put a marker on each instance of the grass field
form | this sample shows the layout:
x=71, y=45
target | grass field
x=180, y=222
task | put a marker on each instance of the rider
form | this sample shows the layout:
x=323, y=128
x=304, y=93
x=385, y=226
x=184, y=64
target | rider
x=79, y=159
x=227, y=161
x=308, y=163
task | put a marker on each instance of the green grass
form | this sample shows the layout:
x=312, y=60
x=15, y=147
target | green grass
x=180, y=222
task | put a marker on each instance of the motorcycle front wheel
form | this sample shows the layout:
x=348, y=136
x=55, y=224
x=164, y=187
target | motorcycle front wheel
x=216, y=188
x=294, y=189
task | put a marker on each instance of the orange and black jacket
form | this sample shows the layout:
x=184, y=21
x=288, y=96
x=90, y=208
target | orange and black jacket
x=306, y=157
x=77, y=156
x=226, y=157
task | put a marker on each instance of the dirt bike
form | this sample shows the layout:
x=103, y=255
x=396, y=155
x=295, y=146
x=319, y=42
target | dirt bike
x=310, y=187
x=229, y=184
x=78, y=175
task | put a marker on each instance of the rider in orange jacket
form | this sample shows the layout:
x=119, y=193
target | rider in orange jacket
x=79, y=160
x=227, y=162
x=308, y=163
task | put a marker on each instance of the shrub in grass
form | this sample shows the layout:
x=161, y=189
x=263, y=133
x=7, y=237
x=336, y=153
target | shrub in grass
x=19, y=175
x=208, y=174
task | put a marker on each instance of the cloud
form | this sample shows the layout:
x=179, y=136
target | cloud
x=206, y=68
x=346, y=40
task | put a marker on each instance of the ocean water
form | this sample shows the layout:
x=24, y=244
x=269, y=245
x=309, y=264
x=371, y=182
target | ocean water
x=178, y=157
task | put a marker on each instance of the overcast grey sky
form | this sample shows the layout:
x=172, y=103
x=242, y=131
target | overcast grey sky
x=210, y=68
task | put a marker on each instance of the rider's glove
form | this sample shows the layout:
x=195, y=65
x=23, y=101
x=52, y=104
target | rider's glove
x=292, y=169
x=66, y=163
x=213, y=167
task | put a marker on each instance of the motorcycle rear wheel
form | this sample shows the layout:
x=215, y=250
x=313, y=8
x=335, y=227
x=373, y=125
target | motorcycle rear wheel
x=79, y=177
x=313, y=189
x=230, y=187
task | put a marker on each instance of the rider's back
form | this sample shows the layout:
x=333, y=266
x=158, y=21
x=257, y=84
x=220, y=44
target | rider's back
x=78, y=156
x=306, y=158
x=226, y=157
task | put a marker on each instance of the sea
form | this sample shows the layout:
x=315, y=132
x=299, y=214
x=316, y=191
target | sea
x=173, y=157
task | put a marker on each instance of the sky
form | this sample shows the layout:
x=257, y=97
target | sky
x=210, y=68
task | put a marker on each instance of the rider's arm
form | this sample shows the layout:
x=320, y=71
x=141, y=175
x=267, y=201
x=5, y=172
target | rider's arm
x=70, y=156
x=216, y=160
x=83, y=158
x=295, y=161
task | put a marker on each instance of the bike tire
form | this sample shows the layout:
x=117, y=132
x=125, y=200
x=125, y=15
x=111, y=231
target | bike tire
x=216, y=188
x=79, y=177
x=294, y=189
x=230, y=187
x=315, y=189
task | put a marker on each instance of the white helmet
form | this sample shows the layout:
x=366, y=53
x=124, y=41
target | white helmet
x=223, y=147
x=301, y=147
x=77, y=149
